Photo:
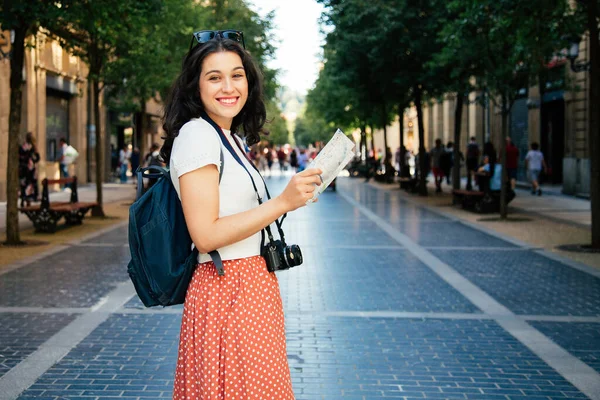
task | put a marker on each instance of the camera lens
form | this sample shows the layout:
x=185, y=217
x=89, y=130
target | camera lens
x=293, y=255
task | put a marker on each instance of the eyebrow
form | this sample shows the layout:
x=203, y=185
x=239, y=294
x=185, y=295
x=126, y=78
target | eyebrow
x=217, y=71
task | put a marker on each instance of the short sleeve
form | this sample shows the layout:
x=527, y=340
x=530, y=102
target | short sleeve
x=196, y=146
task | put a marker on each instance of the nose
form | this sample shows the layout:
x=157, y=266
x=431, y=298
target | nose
x=227, y=85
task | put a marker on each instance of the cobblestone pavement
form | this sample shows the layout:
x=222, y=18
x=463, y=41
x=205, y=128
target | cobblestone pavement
x=393, y=301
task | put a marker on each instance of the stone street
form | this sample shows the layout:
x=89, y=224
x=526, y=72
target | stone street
x=394, y=300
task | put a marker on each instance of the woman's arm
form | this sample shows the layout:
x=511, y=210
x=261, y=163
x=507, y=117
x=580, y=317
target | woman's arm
x=200, y=199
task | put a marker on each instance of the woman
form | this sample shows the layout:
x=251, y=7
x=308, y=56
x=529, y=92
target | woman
x=28, y=158
x=232, y=343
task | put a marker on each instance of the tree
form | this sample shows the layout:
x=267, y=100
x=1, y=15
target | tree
x=413, y=27
x=92, y=30
x=512, y=40
x=148, y=60
x=24, y=18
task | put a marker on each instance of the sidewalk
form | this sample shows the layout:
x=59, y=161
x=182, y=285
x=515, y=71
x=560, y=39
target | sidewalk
x=87, y=192
x=395, y=299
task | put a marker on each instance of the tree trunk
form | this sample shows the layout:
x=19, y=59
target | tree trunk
x=594, y=122
x=401, y=123
x=373, y=142
x=98, y=211
x=13, y=236
x=363, y=143
x=143, y=145
x=460, y=98
x=423, y=167
x=90, y=131
x=505, y=111
x=384, y=125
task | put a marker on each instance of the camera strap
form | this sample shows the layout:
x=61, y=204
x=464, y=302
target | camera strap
x=277, y=222
x=228, y=146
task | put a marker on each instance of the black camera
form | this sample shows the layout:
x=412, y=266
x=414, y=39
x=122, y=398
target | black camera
x=280, y=256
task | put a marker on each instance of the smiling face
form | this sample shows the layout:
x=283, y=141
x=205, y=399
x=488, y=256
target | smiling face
x=223, y=87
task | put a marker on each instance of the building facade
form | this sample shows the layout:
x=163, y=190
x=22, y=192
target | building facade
x=553, y=114
x=55, y=104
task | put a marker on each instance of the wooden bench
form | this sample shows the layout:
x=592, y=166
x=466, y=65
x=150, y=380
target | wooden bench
x=480, y=202
x=46, y=215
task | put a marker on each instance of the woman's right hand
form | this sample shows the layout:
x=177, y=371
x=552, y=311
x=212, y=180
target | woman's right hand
x=300, y=189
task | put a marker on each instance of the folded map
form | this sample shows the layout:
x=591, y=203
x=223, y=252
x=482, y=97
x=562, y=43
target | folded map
x=333, y=158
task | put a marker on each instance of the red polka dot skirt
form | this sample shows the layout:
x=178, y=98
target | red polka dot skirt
x=232, y=344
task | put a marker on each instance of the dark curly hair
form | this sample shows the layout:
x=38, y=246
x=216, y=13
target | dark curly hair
x=184, y=101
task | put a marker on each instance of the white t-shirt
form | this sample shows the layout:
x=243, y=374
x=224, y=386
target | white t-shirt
x=198, y=145
x=534, y=160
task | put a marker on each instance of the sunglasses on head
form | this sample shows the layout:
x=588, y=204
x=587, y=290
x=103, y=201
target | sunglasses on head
x=205, y=36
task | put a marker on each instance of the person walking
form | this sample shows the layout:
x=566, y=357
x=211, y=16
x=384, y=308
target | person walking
x=232, y=342
x=63, y=161
x=512, y=162
x=281, y=158
x=294, y=160
x=472, y=160
x=437, y=154
x=124, y=157
x=135, y=162
x=535, y=165
x=28, y=158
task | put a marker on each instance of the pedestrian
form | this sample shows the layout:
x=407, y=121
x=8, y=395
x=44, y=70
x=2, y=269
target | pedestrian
x=535, y=165
x=281, y=158
x=302, y=160
x=135, y=162
x=28, y=158
x=494, y=175
x=472, y=160
x=124, y=157
x=447, y=161
x=63, y=162
x=437, y=153
x=294, y=160
x=512, y=162
x=269, y=157
x=232, y=342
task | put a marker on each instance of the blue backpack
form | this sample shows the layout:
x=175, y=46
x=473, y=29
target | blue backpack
x=162, y=259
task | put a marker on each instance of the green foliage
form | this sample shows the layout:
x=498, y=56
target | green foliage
x=276, y=125
x=510, y=42
x=148, y=60
x=311, y=128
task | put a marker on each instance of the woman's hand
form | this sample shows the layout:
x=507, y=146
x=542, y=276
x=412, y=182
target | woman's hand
x=300, y=189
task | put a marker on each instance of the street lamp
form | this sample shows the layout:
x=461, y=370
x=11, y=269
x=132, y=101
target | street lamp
x=573, y=54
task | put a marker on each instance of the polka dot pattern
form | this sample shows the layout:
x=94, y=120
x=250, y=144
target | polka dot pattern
x=232, y=344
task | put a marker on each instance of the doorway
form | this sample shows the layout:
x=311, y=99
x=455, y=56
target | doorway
x=553, y=139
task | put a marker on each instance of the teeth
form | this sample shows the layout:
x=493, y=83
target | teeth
x=227, y=101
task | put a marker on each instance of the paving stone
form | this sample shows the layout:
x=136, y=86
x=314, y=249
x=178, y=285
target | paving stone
x=336, y=233
x=367, y=280
x=127, y=356
x=418, y=358
x=23, y=333
x=117, y=236
x=578, y=338
x=75, y=277
x=527, y=282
